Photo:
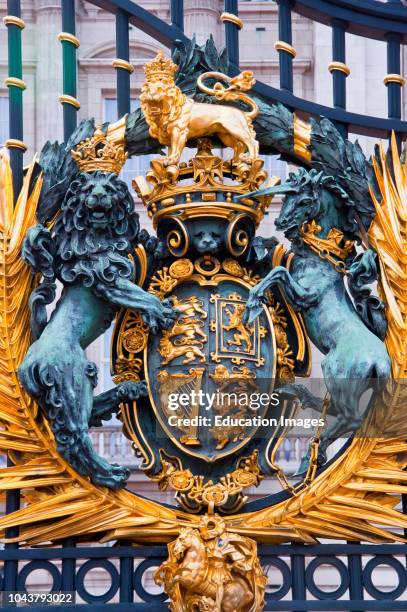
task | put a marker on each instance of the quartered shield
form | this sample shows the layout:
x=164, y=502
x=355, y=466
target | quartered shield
x=199, y=420
x=212, y=362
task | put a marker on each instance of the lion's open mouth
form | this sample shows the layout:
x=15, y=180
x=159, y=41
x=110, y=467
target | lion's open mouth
x=99, y=216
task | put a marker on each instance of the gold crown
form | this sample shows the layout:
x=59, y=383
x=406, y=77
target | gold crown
x=160, y=67
x=197, y=189
x=98, y=153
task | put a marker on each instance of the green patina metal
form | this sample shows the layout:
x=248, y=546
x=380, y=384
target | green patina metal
x=69, y=67
x=15, y=70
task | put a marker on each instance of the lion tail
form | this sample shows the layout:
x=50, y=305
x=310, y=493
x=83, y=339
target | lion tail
x=234, y=92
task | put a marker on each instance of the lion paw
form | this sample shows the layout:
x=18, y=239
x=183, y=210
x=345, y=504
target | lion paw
x=160, y=316
x=77, y=449
x=130, y=391
x=116, y=479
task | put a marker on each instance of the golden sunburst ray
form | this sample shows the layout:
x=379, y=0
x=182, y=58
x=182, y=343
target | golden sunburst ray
x=388, y=236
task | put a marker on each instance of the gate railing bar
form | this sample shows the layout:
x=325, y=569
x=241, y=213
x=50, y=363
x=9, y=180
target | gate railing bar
x=177, y=13
x=393, y=80
x=16, y=86
x=299, y=592
x=111, y=607
x=122, y=63
x=17, y=148
x=355, y=577
x=386, y=605
x=69, y=44
x=126, y=575
x=11, y=565
x=286, y=51
x=278, y=606
x=69, y=566
x=339, y=69
x=84, y=552
x=367, y=18
x=136, y=552
x=357, y=124
x=232, y=26
x=153, y=26
x=296, y=578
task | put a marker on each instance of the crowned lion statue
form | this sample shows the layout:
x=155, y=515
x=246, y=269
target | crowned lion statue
x=174, y=119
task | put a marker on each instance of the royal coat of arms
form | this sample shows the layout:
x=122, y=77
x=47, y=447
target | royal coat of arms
x=204, y=310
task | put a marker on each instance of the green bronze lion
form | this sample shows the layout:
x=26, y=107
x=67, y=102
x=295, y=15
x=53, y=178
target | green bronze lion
x=88, y=252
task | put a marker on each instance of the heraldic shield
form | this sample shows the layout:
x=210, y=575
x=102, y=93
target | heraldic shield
x=210, y=376
x=211, y=351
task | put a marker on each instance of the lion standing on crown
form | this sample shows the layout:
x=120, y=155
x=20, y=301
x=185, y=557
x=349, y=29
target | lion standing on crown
x=174, y=119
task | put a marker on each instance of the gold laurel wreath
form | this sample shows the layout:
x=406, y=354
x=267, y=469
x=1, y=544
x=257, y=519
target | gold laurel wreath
x=355, y=498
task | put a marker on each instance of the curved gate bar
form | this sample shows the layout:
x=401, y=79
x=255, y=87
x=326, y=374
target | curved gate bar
x=367, y=18
x=357, y=124
x=144, y=20
x=390, y=18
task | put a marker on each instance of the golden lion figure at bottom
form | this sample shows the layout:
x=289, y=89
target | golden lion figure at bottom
x=209, y=569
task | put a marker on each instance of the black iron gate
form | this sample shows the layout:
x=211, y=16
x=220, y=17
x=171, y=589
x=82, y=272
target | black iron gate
x=126, y=566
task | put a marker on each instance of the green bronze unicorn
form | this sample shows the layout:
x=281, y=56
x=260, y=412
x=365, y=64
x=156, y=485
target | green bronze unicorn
x=346, y=324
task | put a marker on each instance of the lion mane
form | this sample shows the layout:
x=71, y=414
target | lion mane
x=85, y=254
x=174, y=101
x=76, y=251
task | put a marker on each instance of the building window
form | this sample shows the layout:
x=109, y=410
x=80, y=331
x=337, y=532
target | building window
x=274, y=166
x=4, y=120
x=137, y=165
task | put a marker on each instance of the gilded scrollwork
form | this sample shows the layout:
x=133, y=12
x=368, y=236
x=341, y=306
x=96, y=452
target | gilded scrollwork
x=194, y=493
x=127, y=369
x=285, y=356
